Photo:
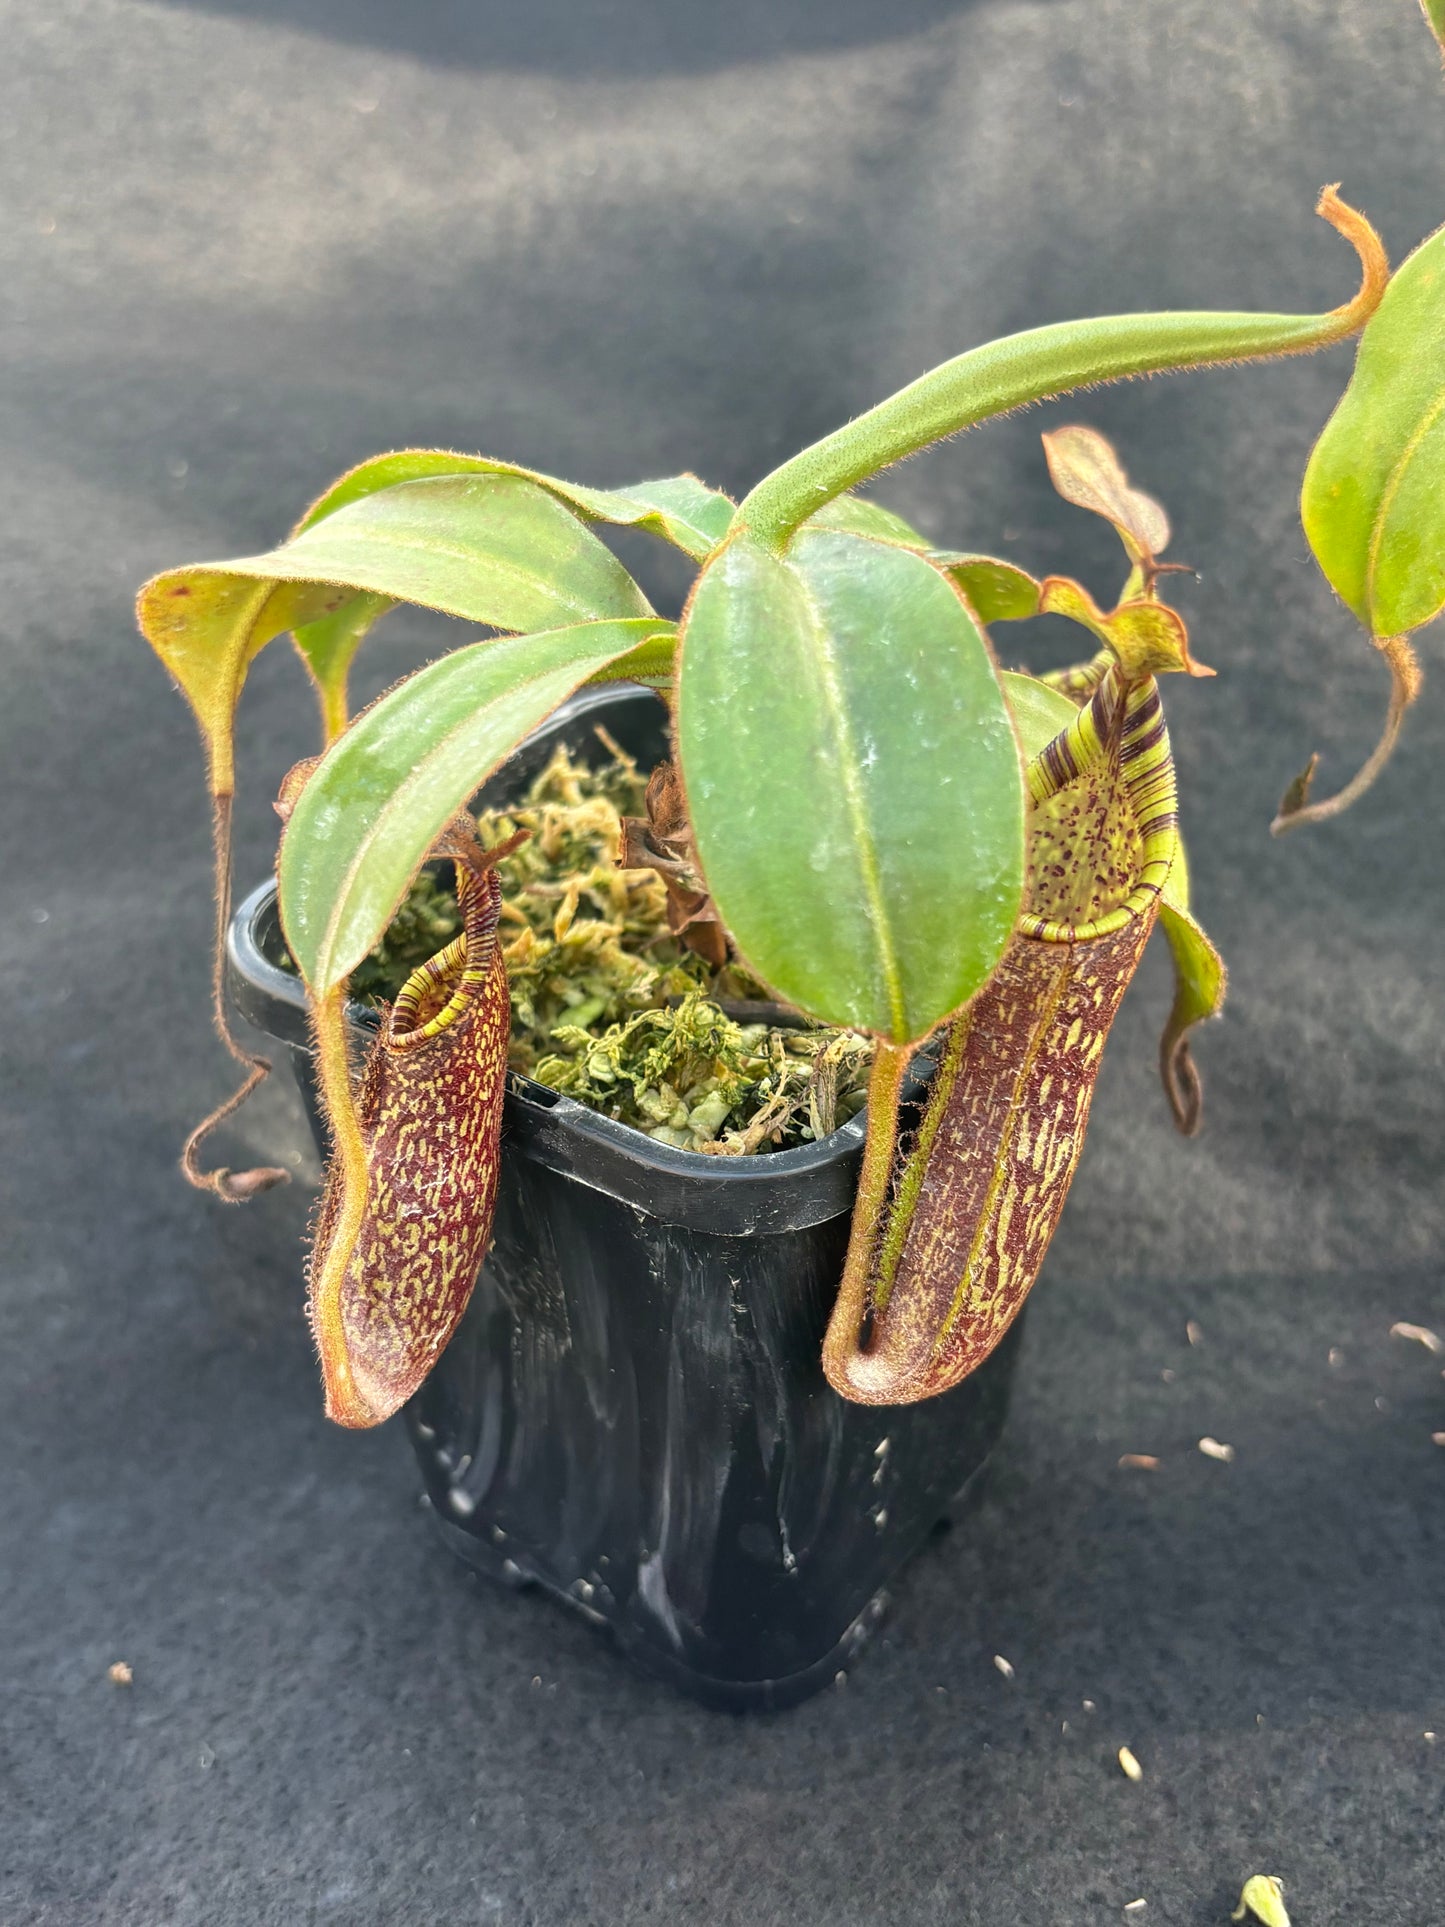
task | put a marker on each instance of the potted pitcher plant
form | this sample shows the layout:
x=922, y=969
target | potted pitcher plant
x=740, y=1337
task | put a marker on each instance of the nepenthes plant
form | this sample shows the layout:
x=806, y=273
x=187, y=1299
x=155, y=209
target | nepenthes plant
x=895, y=836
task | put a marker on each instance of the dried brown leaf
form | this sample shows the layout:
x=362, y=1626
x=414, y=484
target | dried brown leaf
x=1085, y=470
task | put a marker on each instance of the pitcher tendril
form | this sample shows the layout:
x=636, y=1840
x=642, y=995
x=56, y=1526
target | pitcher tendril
x=234, y=1186
x=1406, y=677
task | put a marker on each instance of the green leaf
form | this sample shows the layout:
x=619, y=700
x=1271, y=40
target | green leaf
x=679, y=508
x=1200, y=982
x=690, y=515
x=856, y=515
x=491, y=548
x=853, y=780
x=1039, y=712
x=1200, y=976
x=375, y=804
x=996, y=591
x=327, y=647
x=653, y=662
x=1434, y=12
x=1373, y=502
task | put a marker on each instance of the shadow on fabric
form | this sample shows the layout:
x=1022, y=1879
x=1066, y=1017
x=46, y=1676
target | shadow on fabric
x=624, y=38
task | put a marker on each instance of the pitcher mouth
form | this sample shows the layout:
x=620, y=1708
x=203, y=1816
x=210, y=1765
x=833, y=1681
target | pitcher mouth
x=1122, y=724
x=1145, y=894
x=440, y=992
x=433, y=997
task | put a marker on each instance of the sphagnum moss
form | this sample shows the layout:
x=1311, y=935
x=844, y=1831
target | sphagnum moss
x=607, y=1006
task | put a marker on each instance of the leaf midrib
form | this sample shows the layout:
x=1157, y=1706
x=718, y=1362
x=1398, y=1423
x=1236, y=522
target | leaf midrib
x=857, y=812
x=1387, y=499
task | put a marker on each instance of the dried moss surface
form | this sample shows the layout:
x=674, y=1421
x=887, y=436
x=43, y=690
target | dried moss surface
x=607, y=1007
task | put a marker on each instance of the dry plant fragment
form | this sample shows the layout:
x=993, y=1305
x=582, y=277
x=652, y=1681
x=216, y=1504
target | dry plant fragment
x=1085, y=470
x=1132, y=1769
x=1421, y=1335
x=1263, y=1897
x=1003, y=1665
x=663, y=841
x=119, y=1674
x=1212, y=1449
x=1138, y=1462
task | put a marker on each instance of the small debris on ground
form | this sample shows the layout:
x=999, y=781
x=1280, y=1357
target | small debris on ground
x=1135, y=1906
x=1192, y=1331
x=1167, y=1376
x=1263, y=1897
x=1132, y=1769
x=1138, y=1462
x=1088, y=1706
x=1421, y=1335
x=1337, y=1357
x=1003, y=1665
x=1428, y=1735
x=1212, y=1449
x=1437, y=1438
x=119, y=1674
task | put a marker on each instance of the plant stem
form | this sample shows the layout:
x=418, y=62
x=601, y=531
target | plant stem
x=1042, y=363
x=847, y=1330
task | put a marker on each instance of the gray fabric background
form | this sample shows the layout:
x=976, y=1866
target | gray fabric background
x=243, y=247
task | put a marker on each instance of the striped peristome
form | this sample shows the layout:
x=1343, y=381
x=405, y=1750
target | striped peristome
x=976, y=1194
x=1120, y=732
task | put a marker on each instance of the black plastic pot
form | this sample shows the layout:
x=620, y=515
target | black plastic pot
x=632, y=1413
